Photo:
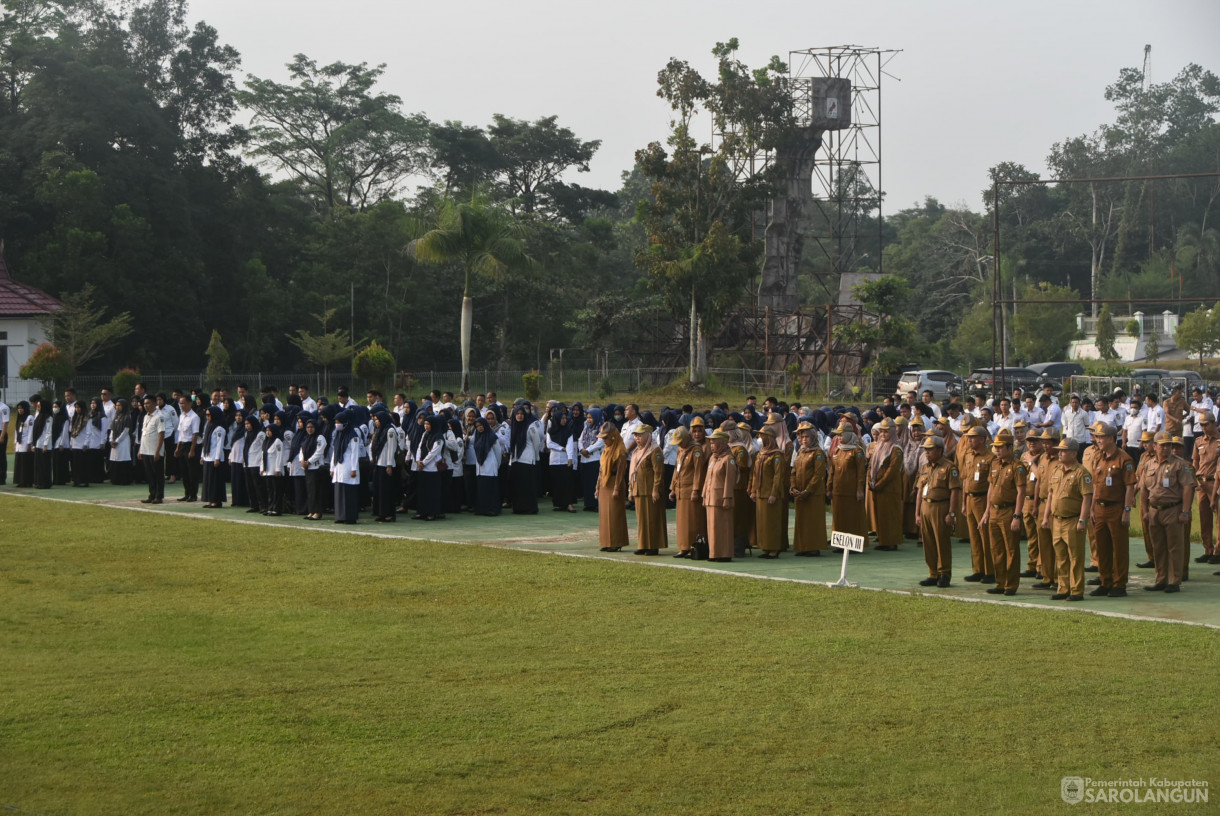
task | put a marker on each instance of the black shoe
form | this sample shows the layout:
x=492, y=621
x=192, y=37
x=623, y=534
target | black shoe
x=145, y=501
x=1214, y=558
x=253, y=510
x=1155, y=588
x=641, y=552
x=988, y=579
x=1100, y=592
x=1203, y=559
x=928, y=582
x=995, y=591
x=1090, y=568
x=682, y=554
x=943, y=581
x=974, y=577
x=1173, y=588
x=154, y=501
x=1041, y=585
x=888, y=548
x=605, y=549
x=1118, y=592
x=1060, y=596
x=1075, y=597
x=1093, y=582
x=1030, y=574
x=1010, y=592
x=652, y=552
x=184, y=498
x=1145, y=565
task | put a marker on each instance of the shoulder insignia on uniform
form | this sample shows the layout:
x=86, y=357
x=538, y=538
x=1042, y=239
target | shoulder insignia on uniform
x=1130, y=466
x=953, y=471
x=1088, y=479
x=698, y=453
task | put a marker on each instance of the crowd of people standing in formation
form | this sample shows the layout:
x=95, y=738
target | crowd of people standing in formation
x=911, y=468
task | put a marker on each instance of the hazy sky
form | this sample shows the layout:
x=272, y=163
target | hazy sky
x=977, y=82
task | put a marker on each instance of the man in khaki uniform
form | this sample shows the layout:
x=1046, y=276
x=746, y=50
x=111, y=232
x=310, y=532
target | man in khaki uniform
x=1048, y=460
x=939, y=490
x=1167, y=491
x=1177, y=450
x=1005, y=501
x=1206, y=457
x=1030, y=517
x=1086, y=459
x=1147, y=460
x=1068, y=504
x=975, y=468
x=1176, y=408
x=1114, y=488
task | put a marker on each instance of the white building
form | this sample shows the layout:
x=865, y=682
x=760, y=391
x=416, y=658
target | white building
x=21, y=307
x=1130, y=349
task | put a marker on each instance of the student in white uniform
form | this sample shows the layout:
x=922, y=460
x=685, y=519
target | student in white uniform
x=383, y=451
x=23, y=446
x=345, y=468
x=455, y=451
x=488, y=452
x=589, y=448
x=120, y=444
x=317, y=474
x=525, y=446
x=272, y=470
x=430, y=483
x=562, y=446
x=97, y=433
x=212, y=458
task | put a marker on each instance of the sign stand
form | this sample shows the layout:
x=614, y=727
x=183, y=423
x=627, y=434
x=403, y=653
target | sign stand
x=849, y=544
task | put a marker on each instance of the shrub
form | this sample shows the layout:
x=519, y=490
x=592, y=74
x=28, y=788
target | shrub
x=124, y=382
x=794, y=381
x=532, y=382
x=605, y=389
x=47, y=364
x=374, y=363
x=1133, y=328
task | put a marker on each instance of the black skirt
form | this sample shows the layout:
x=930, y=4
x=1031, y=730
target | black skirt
x=429, y=493
x=214, y=482
x=300, y=497
x=120, y=473
x=563, y=491
x=487, y=495
x=43, y=465
x=23, y=469
x=385, y=493
x=523, y=481
x=347, y=503
x=589, y=472
x=241, y=496
x=455, y=493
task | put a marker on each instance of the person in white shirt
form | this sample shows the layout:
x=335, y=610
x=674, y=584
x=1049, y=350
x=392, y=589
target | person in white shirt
x=317, y=474
x=930, y=403
x=1132, y=430
x=383, y=452
x=1154, y=417
x=308, y=404
x=1052, y=415
x=1006, y=418
x=152, y=448
x=1076, y=423
x=1200, y=404
x=988, y=420
x=272, y=470
x=187, y=449
x=345, y=468
x=430, y=485
x=589, y=447
x=23, y=445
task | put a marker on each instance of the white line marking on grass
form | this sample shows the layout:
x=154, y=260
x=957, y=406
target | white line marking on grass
x=652, y=562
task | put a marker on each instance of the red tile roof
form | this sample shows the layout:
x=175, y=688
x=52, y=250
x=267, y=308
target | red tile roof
x=19, y=300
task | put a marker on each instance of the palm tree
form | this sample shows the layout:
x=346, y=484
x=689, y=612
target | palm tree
x=485, y=240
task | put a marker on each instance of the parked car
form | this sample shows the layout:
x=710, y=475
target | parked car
x=1190, y=379
x=981, y=384
x=888, y=383
x=1148, y=380
x=1056, y=373
x=942, y=384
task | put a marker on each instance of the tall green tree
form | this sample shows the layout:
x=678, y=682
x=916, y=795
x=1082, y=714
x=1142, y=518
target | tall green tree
x=1042, y=331
x=485, y=241
x=81, y=331
x=1106, y=334
x=325, y=348
x=890, y=336
x=347, y=145
x=1199, y=332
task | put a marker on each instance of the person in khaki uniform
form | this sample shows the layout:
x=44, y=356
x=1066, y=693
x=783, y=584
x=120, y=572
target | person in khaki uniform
x=808, y=491
x=1167, y=491
x=765, y=489
x=1176, y=408
x=1178, y=452
x=1086, y=459
x=743, y=507
x=939, y=487
x=611, y=492
x=885, y=478
x=1068, y=505
x=1205, y=458
x=718, y=490
x=975, y=467
x=912, y=460
x=1029, y=518
x=1005, y=504
x=1048, y=460
x=1114, y=488
x=645, y=479
x=847, y=476
x=686, y=491
x=957, y=450
x=1029, y=521
x=1147, y=460
x=698, y=435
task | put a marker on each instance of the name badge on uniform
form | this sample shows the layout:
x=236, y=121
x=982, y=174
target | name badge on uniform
x=925, y=491
x=1165, y=482
x=976, y=475
x=1109, y=481
x=1033, y=477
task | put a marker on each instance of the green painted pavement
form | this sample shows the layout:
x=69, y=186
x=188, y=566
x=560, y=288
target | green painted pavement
x=575, y=534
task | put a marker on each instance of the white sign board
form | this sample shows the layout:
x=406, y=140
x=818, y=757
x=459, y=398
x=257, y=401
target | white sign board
x=847, y=541
x=832, y=108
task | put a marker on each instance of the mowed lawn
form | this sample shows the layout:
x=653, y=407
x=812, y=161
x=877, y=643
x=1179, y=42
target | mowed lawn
x=153, y=664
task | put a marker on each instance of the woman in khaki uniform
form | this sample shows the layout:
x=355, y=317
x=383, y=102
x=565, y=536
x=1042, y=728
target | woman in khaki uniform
x=686, y=491
x=645, y=478
x=766, y=489
x=611, y=491
x=786, y=446
x=808, y=492
x=886, y=475
x=847, y=475
x=743, y=507
x=718, y=489
x=906, y=440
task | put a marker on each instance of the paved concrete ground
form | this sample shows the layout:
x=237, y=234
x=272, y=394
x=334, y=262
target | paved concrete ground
x=576, y=535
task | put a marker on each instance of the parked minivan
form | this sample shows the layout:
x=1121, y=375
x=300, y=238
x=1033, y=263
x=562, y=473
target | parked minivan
x=942, y=384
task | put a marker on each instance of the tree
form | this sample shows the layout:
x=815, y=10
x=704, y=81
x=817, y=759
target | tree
x=218, y=361
x=530, y=159
x=485, y=241
x=701, y=248
x=1043, y=331
x=1199, y=332
x=47, y=364
x=347, y=146
x=373, y=363
x=891, y=335
x=80, y=332
x=1106, y=334
x=1152, y=349
x=325, y=349
x=972, y=341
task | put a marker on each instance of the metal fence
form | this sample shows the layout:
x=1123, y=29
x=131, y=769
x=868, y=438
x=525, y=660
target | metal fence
x=586, y=383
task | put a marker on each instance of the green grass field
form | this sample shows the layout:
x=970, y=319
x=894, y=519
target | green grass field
x=158, y=664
